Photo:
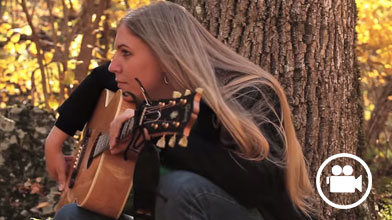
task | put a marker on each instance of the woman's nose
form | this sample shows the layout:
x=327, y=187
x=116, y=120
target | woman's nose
x=114, y=66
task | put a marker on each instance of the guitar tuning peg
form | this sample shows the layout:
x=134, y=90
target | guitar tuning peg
x=176, y=124
x=176, y=94
x=199, y=90
x=155, y=125
x=161, y=142
x=165, y=125
x=183, y=101
x=172, y=102
x=183, y=141
x=172, y=141
x=187, y=92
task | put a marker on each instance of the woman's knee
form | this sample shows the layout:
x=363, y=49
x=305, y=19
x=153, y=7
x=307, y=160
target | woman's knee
x=187, y=195
x=66, y=212
x=178, y=184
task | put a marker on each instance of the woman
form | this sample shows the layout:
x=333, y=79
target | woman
x=243, y=160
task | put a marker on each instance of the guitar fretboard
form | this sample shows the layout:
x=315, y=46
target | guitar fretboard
x=103, y=140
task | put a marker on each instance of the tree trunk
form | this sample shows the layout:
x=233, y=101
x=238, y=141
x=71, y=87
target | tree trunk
x=310, y=48
x=89, y=30
x=39, y=54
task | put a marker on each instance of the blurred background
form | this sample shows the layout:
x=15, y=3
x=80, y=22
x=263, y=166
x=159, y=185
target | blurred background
x=45, y=53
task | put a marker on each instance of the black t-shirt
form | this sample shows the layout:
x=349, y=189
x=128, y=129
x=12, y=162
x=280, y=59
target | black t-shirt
x=253, y=184
x=78, y=108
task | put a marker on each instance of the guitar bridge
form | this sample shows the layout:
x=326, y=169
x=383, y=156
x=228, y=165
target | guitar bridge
x=80, y=155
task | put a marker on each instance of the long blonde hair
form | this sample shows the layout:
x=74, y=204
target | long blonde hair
x=189, y=54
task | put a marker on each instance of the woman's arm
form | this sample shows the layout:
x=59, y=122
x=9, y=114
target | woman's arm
x=78, y=108
x=74, y=113
x=55, y=161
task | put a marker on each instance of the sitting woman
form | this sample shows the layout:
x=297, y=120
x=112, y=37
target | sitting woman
x=243, y=159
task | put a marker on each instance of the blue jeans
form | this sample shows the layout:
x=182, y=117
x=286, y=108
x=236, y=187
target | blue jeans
x=183, y=195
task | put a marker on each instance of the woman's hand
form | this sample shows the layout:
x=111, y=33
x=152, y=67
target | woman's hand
x=114, y=131
x=56, y=162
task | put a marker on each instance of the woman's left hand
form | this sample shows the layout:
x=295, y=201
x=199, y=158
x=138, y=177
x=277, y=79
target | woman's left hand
x=114, y=131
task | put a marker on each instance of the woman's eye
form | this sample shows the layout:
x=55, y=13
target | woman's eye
x=125, y=53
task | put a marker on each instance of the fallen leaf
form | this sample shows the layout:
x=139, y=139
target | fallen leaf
x=27, y=183
x=34, y=210
x=36, y=188
x=42, y=204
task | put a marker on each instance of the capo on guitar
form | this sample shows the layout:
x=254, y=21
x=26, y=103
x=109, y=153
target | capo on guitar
x=137, y=128
x=144, y=92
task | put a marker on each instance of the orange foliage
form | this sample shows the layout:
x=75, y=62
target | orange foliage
x=20, y=75
x=374, y=48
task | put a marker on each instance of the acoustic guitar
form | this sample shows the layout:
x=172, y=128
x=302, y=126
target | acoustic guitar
x=101, y=182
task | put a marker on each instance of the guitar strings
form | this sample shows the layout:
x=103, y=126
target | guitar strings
x=102, y=144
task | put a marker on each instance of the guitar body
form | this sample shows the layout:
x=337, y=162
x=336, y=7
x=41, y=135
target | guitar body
x=100, y=184
x=100, y=181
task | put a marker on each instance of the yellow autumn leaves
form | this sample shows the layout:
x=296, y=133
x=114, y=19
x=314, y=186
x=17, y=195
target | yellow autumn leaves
x=60, y=38
x=20, y=72
x=374, y=48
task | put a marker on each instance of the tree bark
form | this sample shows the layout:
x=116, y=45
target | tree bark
x=39, y=53
x=310, y=47
x=89, y=35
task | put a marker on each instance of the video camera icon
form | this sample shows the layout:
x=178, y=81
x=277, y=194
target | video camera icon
x=345, y=183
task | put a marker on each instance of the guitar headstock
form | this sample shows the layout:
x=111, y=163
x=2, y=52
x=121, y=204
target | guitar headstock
x=170, y=117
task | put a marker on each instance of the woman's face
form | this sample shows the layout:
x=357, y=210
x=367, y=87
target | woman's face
x=134, y=58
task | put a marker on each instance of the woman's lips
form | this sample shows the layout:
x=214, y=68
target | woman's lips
x=120, y=82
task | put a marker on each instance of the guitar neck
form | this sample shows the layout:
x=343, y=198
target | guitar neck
x=164, y=117
x=103, y=140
